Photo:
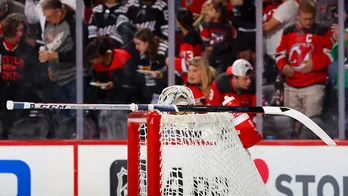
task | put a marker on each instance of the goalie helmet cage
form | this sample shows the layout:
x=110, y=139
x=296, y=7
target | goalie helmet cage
x=189, y=154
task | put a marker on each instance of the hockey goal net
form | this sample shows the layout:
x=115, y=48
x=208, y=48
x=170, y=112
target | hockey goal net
x=190, y=154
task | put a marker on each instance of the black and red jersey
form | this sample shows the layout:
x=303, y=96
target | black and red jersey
x=190, y=46
x=16, y=62
x=297, y=46
x=216, y=33
x=113, y=71
x=222, y=87
x=221, y=37
x=129, y=87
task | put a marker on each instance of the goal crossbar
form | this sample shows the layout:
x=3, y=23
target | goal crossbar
x=271, y=110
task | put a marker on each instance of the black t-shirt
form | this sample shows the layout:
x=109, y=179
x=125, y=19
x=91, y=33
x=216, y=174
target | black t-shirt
x=244, y=16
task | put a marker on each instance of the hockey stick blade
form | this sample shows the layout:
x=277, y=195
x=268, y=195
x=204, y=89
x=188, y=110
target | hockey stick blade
x=180, y=108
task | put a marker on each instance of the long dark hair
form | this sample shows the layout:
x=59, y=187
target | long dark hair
x=221, y=7
x=185, y=18
x=11, y=22
x=146, y=35
x=98, y=47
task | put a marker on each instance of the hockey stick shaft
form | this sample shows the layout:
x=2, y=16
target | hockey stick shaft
x=132, y=107
x=68, y=106
x=173, y=108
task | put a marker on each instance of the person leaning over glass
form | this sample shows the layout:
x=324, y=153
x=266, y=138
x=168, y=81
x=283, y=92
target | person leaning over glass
x=17, y=65
x=59, y=39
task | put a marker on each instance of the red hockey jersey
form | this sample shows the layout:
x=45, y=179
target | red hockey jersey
x=269, y=9
x=198, y=94
x=189, y=48
x=248, y=134
x=298, y=46
x=222, y=87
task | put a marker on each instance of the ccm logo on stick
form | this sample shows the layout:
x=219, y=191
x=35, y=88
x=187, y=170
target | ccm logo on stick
x=53, y=106
x=22, y=171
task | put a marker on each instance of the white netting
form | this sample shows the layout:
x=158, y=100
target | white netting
x=143, y=159
x=202, y=155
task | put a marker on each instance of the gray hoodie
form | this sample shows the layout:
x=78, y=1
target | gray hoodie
x=60, y=38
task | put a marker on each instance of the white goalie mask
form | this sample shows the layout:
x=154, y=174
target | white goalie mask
x=176, y=95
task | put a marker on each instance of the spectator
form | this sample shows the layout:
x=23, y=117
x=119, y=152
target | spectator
x=153, y=55
x=333, y=68
x=59, y=38
x=303, y=57
x=35, y=15
x=17, y=78
x=235, y=82
x=244, y=19
x=283, y=16
x=326, y=12
x=218, y=36
x=8, y=7
x=151, y=14
x=115, y=69
x=200, y=78
x=190, y=44
x=103, y=21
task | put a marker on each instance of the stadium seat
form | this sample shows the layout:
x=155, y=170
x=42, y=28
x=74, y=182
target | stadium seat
x=306, y=133
x=268, y=91
x=278, y=127
x=113, y=125
x=67, y=129
x=33, y=127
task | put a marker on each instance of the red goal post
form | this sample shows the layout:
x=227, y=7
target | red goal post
x=190, y=154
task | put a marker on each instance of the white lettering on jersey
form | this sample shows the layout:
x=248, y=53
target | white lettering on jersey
x=309, y=38
x=107, y=30
x=149, y=25
x=211, y=94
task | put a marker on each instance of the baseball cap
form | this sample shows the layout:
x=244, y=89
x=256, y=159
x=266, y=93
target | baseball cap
x=240, y=67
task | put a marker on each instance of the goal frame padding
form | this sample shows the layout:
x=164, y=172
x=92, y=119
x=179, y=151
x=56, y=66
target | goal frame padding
x=133, y=177
x=153, y=121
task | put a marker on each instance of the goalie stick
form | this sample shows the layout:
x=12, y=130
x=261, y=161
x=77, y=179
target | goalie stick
x=180, y=108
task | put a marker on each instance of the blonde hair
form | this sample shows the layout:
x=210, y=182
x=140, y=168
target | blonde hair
x=208, y=73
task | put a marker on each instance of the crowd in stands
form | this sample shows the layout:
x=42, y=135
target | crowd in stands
x=125, y=48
